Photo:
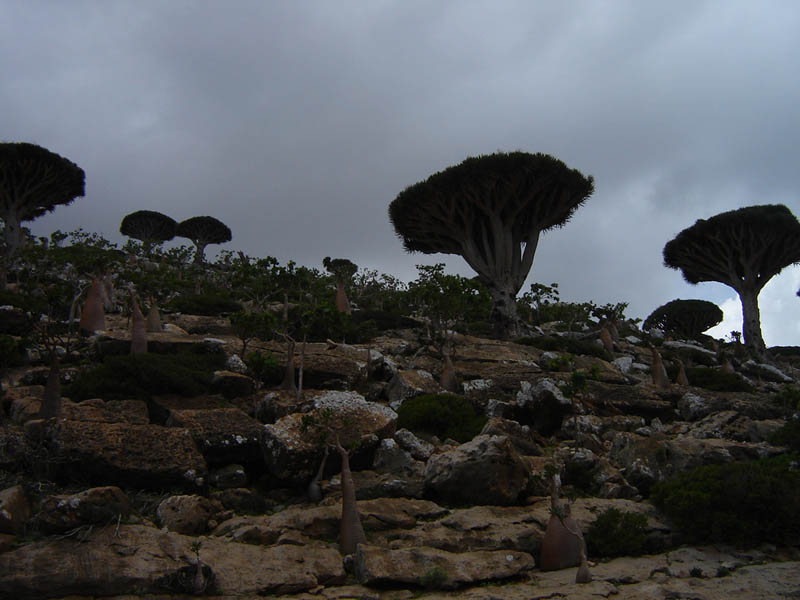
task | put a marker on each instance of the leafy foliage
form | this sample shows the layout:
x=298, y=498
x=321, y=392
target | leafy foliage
x=264, y=367
x=617, y=533
x=743, y=502
x=686, y=318
x=717, y=381
x=442, y=415
x=210, y=304
x=149, y=226
x=788, y=435
x=187, y=373
x=12, y=351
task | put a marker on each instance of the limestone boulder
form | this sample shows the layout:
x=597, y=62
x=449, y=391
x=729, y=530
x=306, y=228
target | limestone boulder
x=485, y=470
x=647, y=460
x=542, y=406
x=114, y=561
x=229, y=476
x=293, y=451
x=223, y=435
x=113, y=411
x=15, y=510
x=126, y=454
x=438, y=569
x=189, y=514
x=521, y=436
x=232, y=384
x=418, y=449
x=409, y=383
x=101, y=505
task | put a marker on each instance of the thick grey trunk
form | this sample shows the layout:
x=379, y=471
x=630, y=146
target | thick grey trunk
x=505, y=322
x=751, y=322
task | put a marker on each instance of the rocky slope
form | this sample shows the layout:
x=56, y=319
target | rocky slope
x=207, y=495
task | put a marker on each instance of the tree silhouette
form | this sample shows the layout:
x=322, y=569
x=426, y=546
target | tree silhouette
x=688, y=318
x=342, y=271
x=743, y=249
x=491, y=210
x=203, y=231
x=33, y=181
x=148, y=226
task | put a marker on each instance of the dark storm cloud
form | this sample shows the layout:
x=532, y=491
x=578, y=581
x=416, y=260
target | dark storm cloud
x=296, y=123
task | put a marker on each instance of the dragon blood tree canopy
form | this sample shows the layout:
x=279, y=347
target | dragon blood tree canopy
x=742, y=248
x=491, y=210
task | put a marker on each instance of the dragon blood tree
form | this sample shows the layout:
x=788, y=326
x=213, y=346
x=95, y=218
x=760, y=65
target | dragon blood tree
x=203, y=231
x=33, y=181
x=149, y=227
x=491, y=210
x=743, y=249
x=685, y=318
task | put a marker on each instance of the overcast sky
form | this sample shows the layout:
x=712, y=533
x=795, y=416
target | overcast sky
x=297, y=122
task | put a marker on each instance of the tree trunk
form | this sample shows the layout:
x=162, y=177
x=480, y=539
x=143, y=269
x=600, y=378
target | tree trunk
x=138, y=329
x=342, y=303
x=93, y=315
x=351, y=532
x=288, y=377
x=751, y=322
x=51, y=401
x=199, y=253
x=505, y=322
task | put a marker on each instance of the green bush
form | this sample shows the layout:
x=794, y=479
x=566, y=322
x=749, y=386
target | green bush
x=187, y=373
x=788, y=435
x=12, y=352
x=789, y=397
x=442, y=415
x=384, y=320
x=564, y=344
x=203, y=304
x=617, y=533
x=265, y=367
x=744, y=502
x=717, y=381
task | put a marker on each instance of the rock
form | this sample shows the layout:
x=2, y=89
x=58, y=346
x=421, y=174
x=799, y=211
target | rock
x=292, y=453
x=189, y=515
x=485, y=470
x=623, y=363
x=229, y=476
x=419, y=449
x=100, y=505
x=126, y=454
x=112, y=562
x=232, y=385
x=693, y=407
x=766, y=372
x=410, y=383
x=235, y=364
x=520, y=435
x=276, y=404
x=14, y=510
x=542, y=406
x=437, y=569
x=223, y=435
x=242, y=501
x=372, y=485
x=391, y=458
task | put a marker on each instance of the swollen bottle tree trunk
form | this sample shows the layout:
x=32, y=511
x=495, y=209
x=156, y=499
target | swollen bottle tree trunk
x=504, y=318
x=351, y=531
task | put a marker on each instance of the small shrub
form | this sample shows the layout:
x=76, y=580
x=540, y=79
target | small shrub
x=789, y=397
x=384, y=320
x=442, y=415
x=145, y=375
x=717, y=381
x=265, y=367
x=576, y=383
x=12, y=352
x=203, y=304
x=433, y=578
x=788, y=435
x=617, y=533
x=744, y=502
x=696, y=572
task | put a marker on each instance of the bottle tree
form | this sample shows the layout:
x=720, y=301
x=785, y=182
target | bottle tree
x=491, y=211
x=33, y=181
x=149, y=227
x=743, y=249
x=203, y=231
x=342, y=271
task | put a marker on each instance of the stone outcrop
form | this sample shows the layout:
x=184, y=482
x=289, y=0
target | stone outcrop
x=95, y=506
x=486, y=470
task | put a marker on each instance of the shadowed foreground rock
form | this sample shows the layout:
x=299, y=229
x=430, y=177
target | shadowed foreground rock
x=144, y=560
x=427, y=567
